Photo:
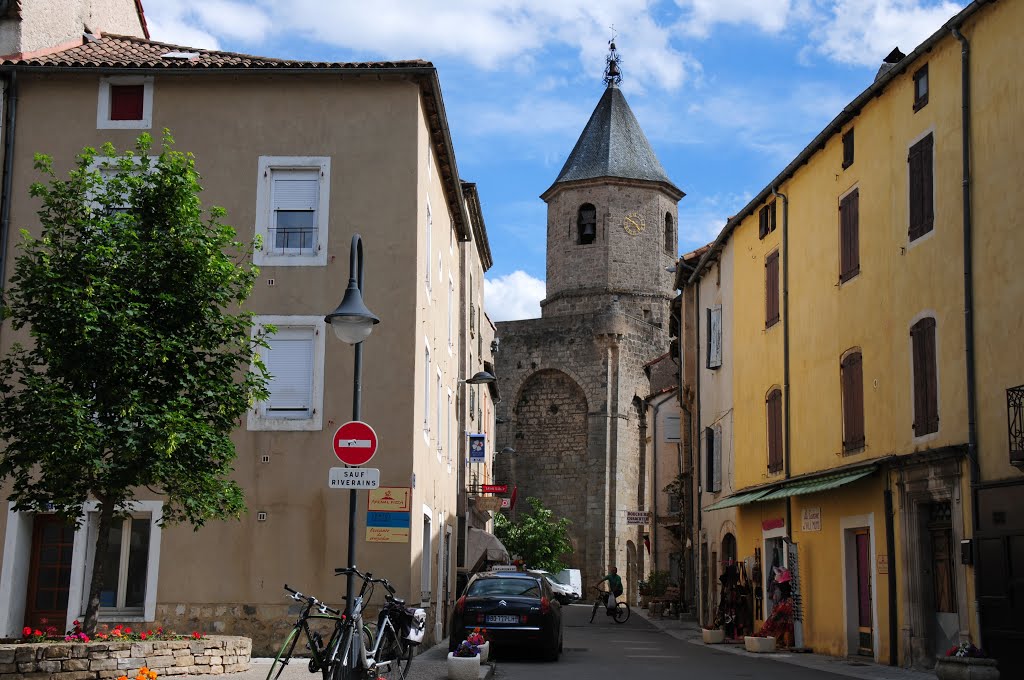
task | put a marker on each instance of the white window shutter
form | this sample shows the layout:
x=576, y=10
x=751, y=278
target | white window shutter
x=717, y=479
x=296, y=189
x=672, y=428
x=290, y=362
x=715, y=338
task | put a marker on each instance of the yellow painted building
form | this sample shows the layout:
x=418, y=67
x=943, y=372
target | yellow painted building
x=873, y=362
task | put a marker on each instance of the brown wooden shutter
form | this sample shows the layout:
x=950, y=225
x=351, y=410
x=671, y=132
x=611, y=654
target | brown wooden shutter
x=927, y=189
x=774, y=409
x=849, y=235
x=922, y=215
x=771, y=292
x=926, y=411
x=853, y=402
x=931, y=376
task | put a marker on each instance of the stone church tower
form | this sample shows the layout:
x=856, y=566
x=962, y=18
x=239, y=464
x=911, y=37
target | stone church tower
x=574, y=380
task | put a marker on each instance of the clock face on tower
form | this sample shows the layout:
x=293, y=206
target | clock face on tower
x=633, y=223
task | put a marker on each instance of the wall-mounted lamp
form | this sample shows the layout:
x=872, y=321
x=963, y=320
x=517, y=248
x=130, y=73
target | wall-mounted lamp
x=481, y=378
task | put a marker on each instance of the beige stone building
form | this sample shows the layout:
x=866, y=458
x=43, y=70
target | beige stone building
x=304, y=155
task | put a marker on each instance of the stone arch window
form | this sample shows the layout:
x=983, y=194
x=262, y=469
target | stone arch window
x=586, y=224
x=670, y=235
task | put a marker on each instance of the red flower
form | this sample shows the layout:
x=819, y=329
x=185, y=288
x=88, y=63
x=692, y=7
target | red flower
x=128, y=631
x=37, y=632
x=143, y=636
x=196, y=634
x=26, y=631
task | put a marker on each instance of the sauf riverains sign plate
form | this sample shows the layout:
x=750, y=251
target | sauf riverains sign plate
x=354, y=478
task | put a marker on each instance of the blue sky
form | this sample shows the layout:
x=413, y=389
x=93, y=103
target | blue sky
x=727, y=91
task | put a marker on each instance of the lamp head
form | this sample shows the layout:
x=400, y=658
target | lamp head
x=352, y=321
x=508, y=449
x=481, y=378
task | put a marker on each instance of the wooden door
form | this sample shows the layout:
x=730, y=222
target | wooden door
x=865, y=638
x=50, y=573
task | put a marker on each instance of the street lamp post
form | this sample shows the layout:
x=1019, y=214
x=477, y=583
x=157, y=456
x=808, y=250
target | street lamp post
x=352, y=323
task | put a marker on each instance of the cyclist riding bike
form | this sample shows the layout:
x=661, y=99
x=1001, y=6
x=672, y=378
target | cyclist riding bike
x=615, y=590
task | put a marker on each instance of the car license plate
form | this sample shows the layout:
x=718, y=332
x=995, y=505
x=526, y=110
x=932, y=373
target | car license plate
x=502, y=618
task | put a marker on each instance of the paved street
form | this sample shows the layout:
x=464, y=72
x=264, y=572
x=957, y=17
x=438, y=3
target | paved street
x=658, y=648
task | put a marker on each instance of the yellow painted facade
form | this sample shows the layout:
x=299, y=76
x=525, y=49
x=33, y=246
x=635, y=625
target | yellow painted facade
x=899, y=282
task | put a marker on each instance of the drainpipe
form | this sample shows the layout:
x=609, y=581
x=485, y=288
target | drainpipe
x=695, y=450
x=11, y=107
x=972, y=432
x=785, y=350
x=890, y=549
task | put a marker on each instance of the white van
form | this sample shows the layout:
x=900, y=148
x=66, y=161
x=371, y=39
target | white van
x=574, y=579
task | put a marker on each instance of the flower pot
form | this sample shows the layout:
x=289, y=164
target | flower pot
x=966, y=668
x=463, y=667
x=713, y=637
x=485, y=651
x=759, y=645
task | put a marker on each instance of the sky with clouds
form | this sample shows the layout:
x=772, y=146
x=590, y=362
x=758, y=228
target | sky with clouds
x=727, y=91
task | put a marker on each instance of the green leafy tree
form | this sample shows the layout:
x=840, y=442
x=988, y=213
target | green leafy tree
x=537, y=537
x=140, y=362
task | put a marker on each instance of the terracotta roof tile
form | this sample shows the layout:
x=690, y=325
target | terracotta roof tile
x=119, y=51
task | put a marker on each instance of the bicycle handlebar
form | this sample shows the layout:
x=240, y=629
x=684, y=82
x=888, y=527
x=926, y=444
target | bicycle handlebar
x=311, y=601
x=367, y=577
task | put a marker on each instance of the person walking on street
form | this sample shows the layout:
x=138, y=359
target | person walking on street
x=614, y=587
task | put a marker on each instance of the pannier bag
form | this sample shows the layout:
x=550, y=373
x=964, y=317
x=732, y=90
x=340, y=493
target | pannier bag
x=415, y=624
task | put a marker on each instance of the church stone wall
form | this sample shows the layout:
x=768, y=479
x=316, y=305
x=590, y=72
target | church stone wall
x=586, y=360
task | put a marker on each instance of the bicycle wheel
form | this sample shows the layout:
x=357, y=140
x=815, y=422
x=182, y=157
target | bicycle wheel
x=341, y=667
x=594, y=612
x=396, y=653
x=621, y=612
x=284, y=655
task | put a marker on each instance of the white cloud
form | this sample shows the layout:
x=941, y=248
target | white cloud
x=513, y=35
x=700, y=16
x=234, y=19
x=862, y=32
x=513, y=296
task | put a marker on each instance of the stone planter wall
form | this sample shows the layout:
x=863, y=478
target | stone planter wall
x=100, y=660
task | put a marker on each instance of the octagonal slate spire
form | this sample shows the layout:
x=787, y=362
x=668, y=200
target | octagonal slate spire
x=613, y=145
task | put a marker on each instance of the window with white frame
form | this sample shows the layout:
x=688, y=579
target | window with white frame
x=451, y=312
x=440, y=415
x=426, y=395
x=129, y=584
x=428, y=227
x=425, y=556
x=448, y=426
x=292, y=200
x=125, y=102
x=294, y=359
x=109, y=167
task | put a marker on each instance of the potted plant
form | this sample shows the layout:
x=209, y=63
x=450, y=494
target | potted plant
x=479, y=638
x=966, y=662
x=464, y=662
x=712, y=636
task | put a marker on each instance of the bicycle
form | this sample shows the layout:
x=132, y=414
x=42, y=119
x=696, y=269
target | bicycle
x=322, y=656
x=620, y=613
x=390, y=654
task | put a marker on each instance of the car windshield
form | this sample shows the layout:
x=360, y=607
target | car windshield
x=555, y=579
x=504, y=586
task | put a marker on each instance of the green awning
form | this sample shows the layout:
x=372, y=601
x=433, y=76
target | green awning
x=799, y=487
x=738, y=499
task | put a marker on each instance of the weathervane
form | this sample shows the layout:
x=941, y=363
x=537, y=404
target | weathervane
x=612, y=74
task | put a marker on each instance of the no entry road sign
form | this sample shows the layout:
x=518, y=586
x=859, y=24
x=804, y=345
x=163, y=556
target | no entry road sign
x=355, y=442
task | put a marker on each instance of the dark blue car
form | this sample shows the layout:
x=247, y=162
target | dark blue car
x=517, y=609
